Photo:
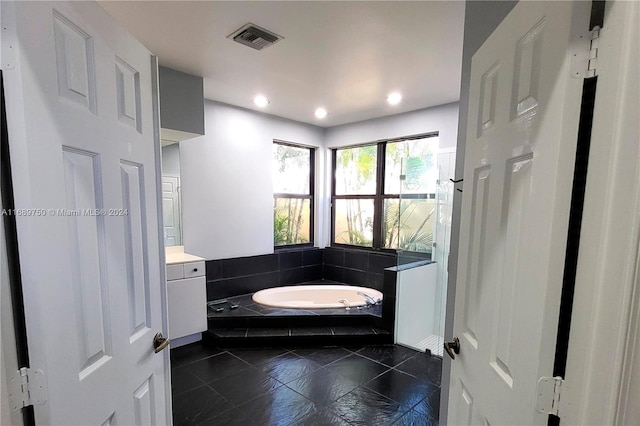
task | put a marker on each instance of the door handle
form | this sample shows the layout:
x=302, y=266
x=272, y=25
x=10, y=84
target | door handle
x=452, y=347
x=160, y=342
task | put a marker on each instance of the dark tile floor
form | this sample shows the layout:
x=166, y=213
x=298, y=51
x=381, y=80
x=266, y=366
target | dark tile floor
x=372, y=385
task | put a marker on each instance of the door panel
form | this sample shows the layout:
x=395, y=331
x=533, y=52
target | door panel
x=464, y=401
x=143, y=404
x=75, y=63
x=135, y=231
x=476, y=263
x=86, y=243
x=80, y=115
x=128, y=91
x=520, y=151
x=515, y=206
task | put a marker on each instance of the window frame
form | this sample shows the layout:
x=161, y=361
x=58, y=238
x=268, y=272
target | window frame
x=378, y=198
x=310, y=196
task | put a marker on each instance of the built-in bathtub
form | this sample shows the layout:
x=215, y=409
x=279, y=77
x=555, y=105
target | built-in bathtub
x=316, y=296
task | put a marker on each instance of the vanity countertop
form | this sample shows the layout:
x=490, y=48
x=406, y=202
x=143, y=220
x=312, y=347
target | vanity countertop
x=175, y=255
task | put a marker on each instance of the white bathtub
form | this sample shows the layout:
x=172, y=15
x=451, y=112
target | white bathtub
x=315, y=296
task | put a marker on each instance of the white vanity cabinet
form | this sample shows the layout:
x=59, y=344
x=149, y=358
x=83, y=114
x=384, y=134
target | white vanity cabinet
x=187, y=297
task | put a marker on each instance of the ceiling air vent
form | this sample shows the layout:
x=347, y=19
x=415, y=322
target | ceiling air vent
x=255, y=37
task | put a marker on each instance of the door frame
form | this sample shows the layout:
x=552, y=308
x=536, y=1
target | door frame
x=593, y=394
x=155, y=100
x=607, y=277
x=9, y=359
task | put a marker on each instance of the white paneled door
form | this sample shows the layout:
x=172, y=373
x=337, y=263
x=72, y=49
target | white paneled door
x=520, y=150
x=171, y=210
x=80, y=111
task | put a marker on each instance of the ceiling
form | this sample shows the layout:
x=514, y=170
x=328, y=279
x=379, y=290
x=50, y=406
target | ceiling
x=343, y=56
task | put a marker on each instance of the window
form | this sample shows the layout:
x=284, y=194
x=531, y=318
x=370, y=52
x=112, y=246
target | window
x=354, y=196
x=293, y=182
x=384, y=194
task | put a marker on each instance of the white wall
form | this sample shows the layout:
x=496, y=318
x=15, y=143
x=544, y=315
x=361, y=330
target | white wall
x=171, y=159
x=227, y=195
x=442, y=119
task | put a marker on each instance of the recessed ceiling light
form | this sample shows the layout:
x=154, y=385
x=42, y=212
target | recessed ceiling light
x=394, y=98
x=321, y=113
x=261, y=101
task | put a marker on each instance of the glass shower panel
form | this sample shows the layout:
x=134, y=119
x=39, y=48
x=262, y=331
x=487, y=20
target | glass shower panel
x=418, y=225
x=410, y=210
x=410, y=227
x=409, y=224
x=441, y=246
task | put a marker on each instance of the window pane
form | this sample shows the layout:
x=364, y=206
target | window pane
x=291, y=169
x=356, y=170
x=416, y=161
x=409, y=224
x=354, y=222
x=291, y=221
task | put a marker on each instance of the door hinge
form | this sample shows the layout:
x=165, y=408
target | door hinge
x=548, y=393
x=593, y=53
x=27, y=386
x=584, y=54
x=8, y=43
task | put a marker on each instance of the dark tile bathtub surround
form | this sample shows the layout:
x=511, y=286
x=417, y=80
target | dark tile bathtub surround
x=358, y=260
x=357, y=267
x=389, y=297
x=237, y=279
x=241, y=285
x=290, y=259
x=242, y=266
x=242, y=275
x=407, y=257
x=312, y=257
x=250, y=324
x=233, y=277
x=246, y=307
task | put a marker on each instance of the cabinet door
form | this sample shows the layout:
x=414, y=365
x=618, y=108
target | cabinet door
x=187, y=306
